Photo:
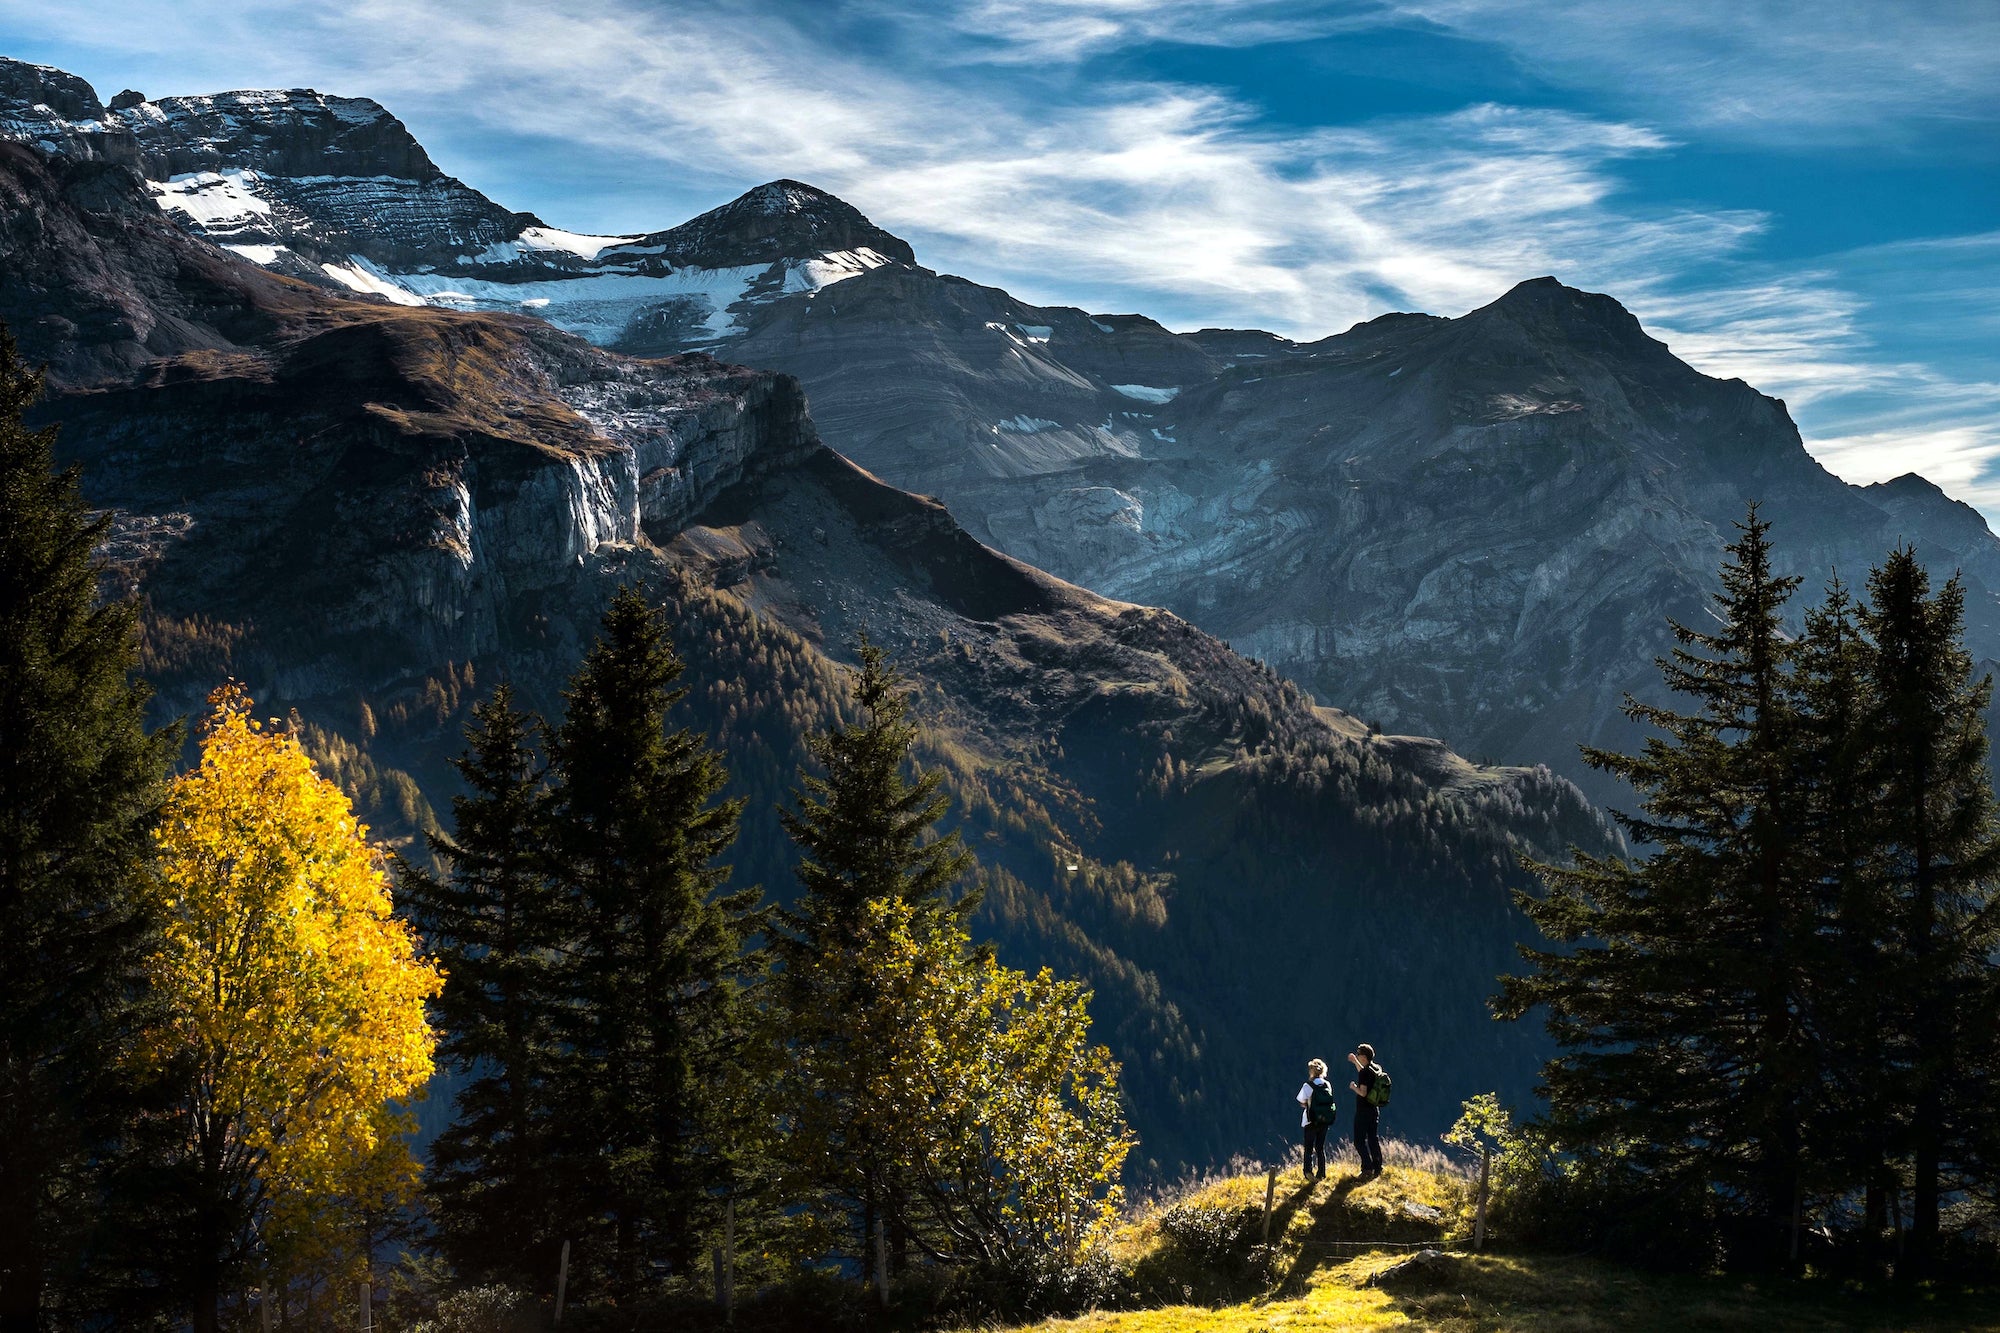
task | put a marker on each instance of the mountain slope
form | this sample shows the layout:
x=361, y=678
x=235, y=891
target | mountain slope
x=369, y=512
x=1475, y=528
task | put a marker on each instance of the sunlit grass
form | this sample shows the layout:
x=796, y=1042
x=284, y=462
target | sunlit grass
x=1311, y=1285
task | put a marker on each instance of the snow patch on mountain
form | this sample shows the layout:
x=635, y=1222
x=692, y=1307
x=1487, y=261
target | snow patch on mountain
x=1146, y=393
x=266, y=255
x=1023, y=424
x=604, y=302
x=216, y=202
x=361, y=276
x=536, y=242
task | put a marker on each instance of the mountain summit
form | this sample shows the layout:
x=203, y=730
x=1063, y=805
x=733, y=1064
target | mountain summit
x=780, y=220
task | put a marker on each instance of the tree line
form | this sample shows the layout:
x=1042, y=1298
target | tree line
x=217, y=996
x=1780, y=1029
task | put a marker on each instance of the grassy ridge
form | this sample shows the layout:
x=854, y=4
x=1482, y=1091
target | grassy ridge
x=1179, y=1252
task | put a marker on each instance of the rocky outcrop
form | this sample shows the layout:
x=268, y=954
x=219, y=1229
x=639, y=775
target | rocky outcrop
x=94, y=287
x=784, y=219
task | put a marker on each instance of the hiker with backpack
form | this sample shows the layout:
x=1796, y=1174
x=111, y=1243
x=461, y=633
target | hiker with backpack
x=1316, y=1102
x=1371, y=1094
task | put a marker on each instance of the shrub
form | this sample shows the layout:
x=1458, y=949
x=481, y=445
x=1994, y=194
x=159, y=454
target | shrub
x=484, y=1310
x=1545, y=1198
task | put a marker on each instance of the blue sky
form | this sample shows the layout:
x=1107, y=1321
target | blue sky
x=1807, y=196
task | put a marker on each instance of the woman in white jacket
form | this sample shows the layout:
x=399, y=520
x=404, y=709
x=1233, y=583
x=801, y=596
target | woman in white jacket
x=1316, y=1107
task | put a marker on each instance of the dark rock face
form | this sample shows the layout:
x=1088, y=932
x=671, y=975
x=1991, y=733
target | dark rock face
x=297, y=178
x=62, y=93
x=95, y=287
x=782, y=220
x=297, y=132
x=368, y=512
x=1474, y=528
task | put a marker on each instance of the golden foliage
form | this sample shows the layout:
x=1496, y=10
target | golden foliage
x=295, y=999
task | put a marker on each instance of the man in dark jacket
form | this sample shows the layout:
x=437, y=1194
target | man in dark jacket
x=1367, y=1115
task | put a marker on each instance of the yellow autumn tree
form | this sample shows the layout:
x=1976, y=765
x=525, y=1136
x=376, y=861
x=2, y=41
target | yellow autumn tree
x=294, y=1013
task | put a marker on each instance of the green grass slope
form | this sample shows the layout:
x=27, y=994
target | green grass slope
x=1199, y=1262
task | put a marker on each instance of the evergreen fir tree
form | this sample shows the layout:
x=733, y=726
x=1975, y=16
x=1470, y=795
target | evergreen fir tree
x=657, y=957
x=491, y=919
x=867, y=837
x=1678, y=1008
x=865, y=831
x=80, y=779
x=1941, y=854
x=1851, y=1126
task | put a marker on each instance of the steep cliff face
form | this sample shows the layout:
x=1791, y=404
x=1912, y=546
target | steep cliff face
x=368, y=512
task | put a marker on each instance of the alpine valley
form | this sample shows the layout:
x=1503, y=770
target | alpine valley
x=375, y=441
x=371, y=510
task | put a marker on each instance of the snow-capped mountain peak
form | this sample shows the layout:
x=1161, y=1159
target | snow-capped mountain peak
x=337, y=191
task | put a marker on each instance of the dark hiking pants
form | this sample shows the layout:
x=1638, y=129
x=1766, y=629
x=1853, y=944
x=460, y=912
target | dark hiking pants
x=1367, y=1142
x=1315, y=1148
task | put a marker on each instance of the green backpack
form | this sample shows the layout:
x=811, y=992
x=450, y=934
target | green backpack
x=1322, y=1109
x=1378, y=1091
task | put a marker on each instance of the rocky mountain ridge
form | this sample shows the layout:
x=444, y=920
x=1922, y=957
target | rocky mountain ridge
x=336, y=191
x=368, y=512
x=1474, y=527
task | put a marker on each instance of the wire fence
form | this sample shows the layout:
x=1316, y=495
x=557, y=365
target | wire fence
x=1364, y=1246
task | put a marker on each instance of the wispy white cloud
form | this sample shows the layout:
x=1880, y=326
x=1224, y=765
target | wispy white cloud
x=1753, y=68
x=1023, y=31
x=1761, y=69
x=1958, y=459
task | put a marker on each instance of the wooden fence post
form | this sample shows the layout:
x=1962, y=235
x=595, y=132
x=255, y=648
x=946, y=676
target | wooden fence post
x=562, y=1283
x=1270, y=1195
x=1479, y=1215
x=729, y=1260
x=882, y=1262
x=367, y=1306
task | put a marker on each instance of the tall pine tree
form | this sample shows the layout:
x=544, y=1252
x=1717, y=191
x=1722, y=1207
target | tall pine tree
x=1939, y=915
x=867, y=836
x=656, y=960
x=1844, y=829
x=1679, y=1005
x=492, y=920
x=80, y=780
